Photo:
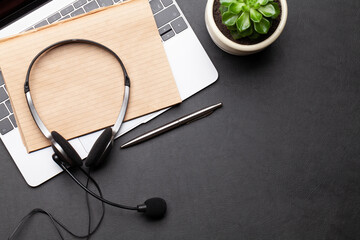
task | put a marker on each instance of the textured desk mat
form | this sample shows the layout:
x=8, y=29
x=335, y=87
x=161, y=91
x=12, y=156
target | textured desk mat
x=78, y=88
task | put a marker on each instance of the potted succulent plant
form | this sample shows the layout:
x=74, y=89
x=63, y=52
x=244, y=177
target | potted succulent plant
x=243, y=27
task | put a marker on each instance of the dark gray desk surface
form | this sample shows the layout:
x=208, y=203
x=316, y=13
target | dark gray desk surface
x=280, y=160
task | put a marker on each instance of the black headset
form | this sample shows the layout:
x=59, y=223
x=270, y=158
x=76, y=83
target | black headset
x=67, y=157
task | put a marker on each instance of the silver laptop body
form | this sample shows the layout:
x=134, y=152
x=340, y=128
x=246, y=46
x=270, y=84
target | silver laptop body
x=183, y=50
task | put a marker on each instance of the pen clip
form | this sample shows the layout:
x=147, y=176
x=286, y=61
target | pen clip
x=203, y=116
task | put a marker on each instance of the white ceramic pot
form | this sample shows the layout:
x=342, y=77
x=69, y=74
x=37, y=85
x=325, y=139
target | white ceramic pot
x=239, y=49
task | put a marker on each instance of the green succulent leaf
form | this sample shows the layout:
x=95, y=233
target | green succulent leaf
x=263, y=2
x=248, y=32
x=226, y=3
x=232, y=28
x=277, y=10
x=268, y=10
x=223, y=9
x=241, y=1
x=243, y=22
x=263, y=26
x=249, y=2
x=255, y=15
x=229, y=19
x=255, y=35
x=236, y=7
x=246, y=8
x=256, y=5
x=235, y=34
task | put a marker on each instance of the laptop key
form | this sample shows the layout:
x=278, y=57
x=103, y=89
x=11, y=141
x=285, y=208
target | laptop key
x=79, y=3
x=77, y=12
x=54, y=17
x=29, y=29
x=1, y=79
x=168, y=35
x=156, y=6
x=179, y=25
x=67, y=10
x=105, y=3
x=7, y=103
x=41, y=24
x=91, y=6
x=166, y=16
x=5, y=126
x=164, y=29
x=167, y=2
x=66, y=17
x=3, y=94
x=12, y=119
x=3, y=111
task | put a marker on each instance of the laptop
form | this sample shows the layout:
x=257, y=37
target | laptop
x=191, y=67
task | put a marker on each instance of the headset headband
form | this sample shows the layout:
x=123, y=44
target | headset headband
x=29, y=99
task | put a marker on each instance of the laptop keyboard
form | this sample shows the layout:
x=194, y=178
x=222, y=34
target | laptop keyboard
x=168, y=20
x=7, y=119
x=167, y=16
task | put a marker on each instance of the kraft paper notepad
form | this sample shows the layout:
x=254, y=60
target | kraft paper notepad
x=78, y=88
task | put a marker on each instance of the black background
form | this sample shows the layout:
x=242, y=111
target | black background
x=280, y=160
x=12, y=10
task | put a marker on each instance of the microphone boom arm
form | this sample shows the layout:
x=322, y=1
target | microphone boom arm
x=94, y=194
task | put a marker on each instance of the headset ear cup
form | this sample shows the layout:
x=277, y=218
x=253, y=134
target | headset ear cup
x=73, y=158
x=100, y=149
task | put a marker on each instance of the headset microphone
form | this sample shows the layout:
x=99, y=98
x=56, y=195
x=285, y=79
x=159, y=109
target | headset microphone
x=154, y=208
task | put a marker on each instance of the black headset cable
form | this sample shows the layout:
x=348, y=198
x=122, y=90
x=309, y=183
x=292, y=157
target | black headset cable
x=57, y=223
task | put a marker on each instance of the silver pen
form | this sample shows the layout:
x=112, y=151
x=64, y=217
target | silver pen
x=174, y=124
